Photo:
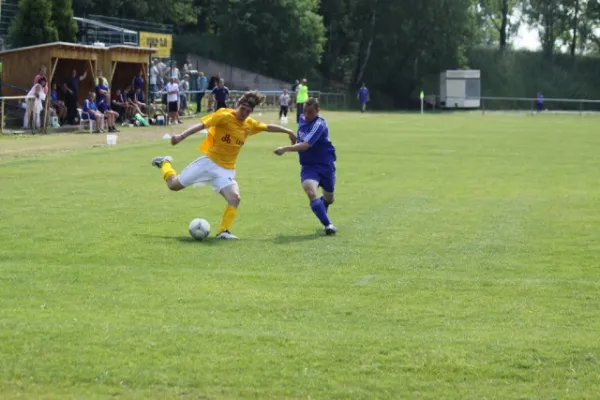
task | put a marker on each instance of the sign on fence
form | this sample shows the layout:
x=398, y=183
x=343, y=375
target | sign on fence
x=160, y=41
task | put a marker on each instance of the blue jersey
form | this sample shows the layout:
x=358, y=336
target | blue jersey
x=316, y=134
x=363, y=94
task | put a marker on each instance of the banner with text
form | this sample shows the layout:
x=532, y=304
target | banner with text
x=160, y=41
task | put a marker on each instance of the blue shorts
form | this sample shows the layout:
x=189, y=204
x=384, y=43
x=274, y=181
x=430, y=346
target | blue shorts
x=324, y=174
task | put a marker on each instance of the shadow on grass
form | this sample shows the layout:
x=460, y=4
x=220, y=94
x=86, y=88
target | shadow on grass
x=286, y=239
x=182, y=239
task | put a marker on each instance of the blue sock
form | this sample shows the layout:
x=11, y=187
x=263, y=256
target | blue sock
x=325, y=203
x=320, y=211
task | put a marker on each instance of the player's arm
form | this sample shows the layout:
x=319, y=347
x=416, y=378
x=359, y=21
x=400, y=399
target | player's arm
x=281, y=129
x=295, y=148
x=187, y=133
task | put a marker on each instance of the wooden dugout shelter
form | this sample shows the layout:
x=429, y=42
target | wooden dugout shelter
x=119, y=64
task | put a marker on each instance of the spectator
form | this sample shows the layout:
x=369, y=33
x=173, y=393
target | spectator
x=138, y=81
x=139, y=101
x=119, y=104
x=59, y=106
x=202, y=85
x=101, y=88
x=539, y=101
x=34, y=108
x=212, y=83
x=174, y=71
x=184, y=88
x=130, y=95
x=100, y=79
x=162, y=70
x=284, y=103
x=220, y=95
x=301, y=97
x=187, y=68
x=71, y=89
x=172, y=90
x=41, y=74
x=104, y=107
x=363, y=96
x=91, y=109
x=153, y=86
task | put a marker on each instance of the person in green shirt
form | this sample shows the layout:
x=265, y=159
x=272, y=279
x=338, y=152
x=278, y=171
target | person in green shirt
x=301, y=97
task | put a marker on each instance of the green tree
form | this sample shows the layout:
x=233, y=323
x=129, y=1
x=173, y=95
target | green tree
x=500, y=16
x=24, y=32
x=62, y=16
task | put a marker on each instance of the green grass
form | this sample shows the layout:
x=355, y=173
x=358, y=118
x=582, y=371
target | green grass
x=467, y=266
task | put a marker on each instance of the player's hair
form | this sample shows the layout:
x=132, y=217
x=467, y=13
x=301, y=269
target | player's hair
x=313, y=101
x=251, y=99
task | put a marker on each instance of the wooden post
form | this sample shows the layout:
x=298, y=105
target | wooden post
x=112, y=72
x=54, y=63
x=2, y=117
x=146, y=98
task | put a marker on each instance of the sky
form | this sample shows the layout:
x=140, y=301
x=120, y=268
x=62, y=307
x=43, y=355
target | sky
x=527, y=38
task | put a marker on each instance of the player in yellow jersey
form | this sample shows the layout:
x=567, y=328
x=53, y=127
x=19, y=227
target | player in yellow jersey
x=228, y=130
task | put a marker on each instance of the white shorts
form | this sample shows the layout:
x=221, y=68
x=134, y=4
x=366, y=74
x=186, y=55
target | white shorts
x=203, y=171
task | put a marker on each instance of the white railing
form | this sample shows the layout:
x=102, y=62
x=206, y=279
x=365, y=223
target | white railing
x=528, y=104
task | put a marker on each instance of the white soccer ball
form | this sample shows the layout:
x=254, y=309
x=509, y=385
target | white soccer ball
x=199, y=228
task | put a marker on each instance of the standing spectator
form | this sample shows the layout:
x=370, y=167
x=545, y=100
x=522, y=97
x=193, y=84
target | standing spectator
x=301, y=98
x=162, y=70
x=40, y=75
x=100, y=78
x=174, y=71
x=91, y=109
x=35, y=99
x=153, y=85
x=284, y=103
x=202, y=86
x=138, y=81
x=172, y=90
x=220, y=95
x=539, y=101
x=71, y=89
x=212, y=83
x=187, y=68
x=101, y=88
x=184, y=88
x=363, y=96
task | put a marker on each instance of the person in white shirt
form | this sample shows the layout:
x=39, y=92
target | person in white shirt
x=153, y=85
x=284, y=103
x=35, y=99
x=172, y=89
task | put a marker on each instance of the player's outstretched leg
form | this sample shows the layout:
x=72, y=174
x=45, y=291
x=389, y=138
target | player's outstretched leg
x=317, y=205
x=231, y=193
x=169, y=174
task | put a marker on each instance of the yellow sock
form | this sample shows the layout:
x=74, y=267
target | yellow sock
x=167, y=170
x=228, y=217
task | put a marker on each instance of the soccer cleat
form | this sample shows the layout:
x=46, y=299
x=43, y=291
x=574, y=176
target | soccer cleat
x=226, y=235
x=330, y=230
x=158, y=161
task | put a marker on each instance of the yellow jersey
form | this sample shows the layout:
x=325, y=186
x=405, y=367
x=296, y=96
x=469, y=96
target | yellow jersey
x=227, y=135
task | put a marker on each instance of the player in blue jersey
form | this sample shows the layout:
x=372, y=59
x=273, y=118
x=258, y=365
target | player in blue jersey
x=317, y=161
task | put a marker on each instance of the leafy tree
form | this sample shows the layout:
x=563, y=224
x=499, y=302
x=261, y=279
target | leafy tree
x=23, y=32
x=62, y=17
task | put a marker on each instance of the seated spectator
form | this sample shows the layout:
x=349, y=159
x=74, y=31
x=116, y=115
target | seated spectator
x=130, y=96
x=101, y=90
x=59, y=106
x=111, y=116
x=34, y=105
x=120, y=104
x=91, y=109
x=138, y=100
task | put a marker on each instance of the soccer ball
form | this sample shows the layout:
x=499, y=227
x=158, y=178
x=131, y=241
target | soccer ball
x=199, y=228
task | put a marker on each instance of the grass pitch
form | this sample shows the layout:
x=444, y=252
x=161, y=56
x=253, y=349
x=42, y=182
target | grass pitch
x=467, y=266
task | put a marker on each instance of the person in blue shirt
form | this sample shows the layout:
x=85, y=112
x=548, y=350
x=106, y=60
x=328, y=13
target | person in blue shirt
x=220, y=95
x=101, y=90
x=539, y=101
x=317, y=161
x=202, y=86
x=91, y=109
x=363, y=97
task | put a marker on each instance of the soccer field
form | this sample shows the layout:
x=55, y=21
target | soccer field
x=466, y=266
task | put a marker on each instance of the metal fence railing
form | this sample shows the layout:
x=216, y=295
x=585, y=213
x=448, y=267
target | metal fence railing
x=520, y=104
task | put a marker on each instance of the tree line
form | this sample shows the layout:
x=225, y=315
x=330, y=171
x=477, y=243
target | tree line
x=395, y=46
